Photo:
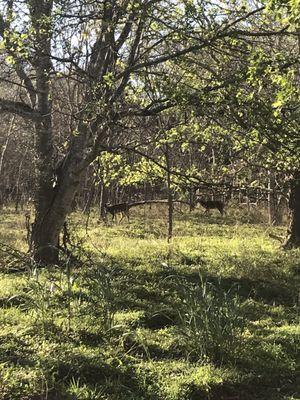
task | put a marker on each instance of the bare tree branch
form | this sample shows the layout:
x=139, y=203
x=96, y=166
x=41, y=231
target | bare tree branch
x=19, y=108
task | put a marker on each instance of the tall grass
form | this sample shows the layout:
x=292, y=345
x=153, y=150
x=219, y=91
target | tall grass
x=211, y=321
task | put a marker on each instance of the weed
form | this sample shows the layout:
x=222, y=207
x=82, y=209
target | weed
x=102, y=297
x=211, y=321
x=81, y=391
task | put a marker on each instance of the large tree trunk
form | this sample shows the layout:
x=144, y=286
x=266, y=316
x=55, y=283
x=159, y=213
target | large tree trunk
x=293, y=239
x=56, y=192
x=45, y=232
x=57, y=185
x=50, y=216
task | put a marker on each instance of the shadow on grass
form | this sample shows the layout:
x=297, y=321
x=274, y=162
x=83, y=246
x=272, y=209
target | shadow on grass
x=265, y=364
x=255, y=388
x=15, y=351
x=143, y=289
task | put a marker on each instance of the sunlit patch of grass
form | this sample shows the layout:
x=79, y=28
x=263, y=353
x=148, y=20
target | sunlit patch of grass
x=11, y=285
x=181, y=380
x=12, y=230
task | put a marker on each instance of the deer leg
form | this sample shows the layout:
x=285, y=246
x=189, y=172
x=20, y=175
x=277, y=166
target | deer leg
x=122, y=216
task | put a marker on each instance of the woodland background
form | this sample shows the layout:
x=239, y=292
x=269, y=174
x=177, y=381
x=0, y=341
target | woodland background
x=151, y=106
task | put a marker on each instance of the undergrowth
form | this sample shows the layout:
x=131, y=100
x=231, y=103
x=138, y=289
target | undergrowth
x=213, y=315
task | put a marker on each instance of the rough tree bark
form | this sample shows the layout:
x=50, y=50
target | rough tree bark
x=54, y=202
x=43, y=244
x=293, y=238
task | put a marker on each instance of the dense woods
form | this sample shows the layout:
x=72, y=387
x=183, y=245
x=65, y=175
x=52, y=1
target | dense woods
x=150, y=119
x=215, y=84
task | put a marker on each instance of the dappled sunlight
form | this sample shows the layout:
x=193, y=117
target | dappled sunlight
x=213, y=312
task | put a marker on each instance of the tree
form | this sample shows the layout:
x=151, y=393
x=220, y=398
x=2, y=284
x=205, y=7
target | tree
x=249, y=91
x=107, y=50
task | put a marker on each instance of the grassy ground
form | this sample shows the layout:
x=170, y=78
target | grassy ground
x=213, y=315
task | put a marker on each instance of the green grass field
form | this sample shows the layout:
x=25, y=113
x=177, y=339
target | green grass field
x=212, y=315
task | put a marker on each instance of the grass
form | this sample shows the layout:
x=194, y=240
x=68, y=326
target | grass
x=213, y=315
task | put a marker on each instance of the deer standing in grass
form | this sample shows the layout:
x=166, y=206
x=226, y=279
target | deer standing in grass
x=121, y=208
x=212, y=204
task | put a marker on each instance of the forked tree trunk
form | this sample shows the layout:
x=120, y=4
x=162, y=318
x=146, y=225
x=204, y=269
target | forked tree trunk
x=54, y=197
x=293, y=238
x=54, y=201
x=46, y=228
x=51, y=214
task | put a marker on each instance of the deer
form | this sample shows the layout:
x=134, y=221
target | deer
x=212, y=204
x=121, y=208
